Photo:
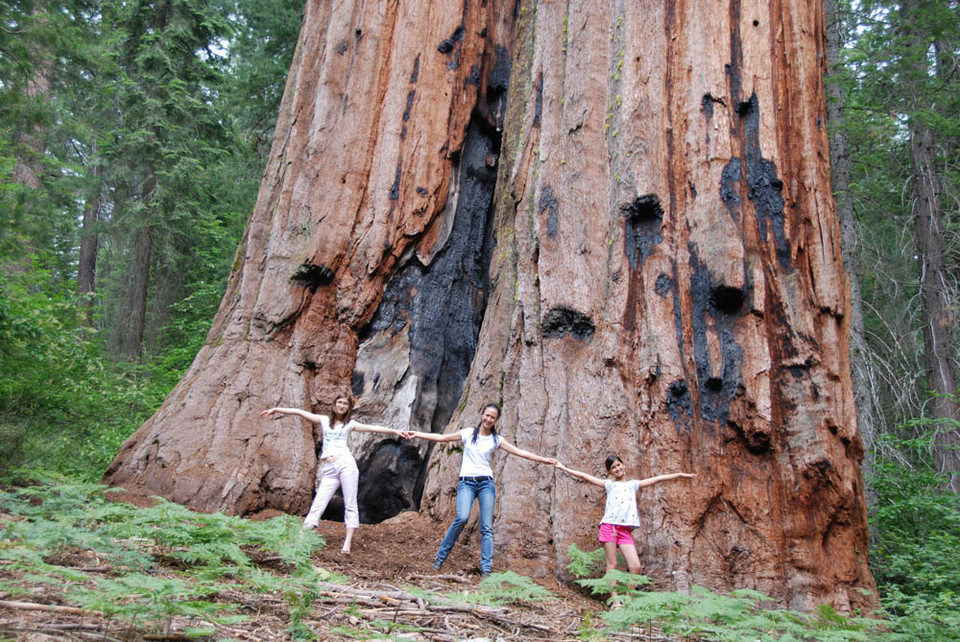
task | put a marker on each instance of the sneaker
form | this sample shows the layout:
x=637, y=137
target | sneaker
x=437, y=564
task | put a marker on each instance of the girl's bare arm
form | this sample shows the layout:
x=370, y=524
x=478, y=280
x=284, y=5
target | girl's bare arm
x=581, y=475
x=650, y=481
x=526, y=454
x=432, y=436
x=359, y=427
x=309, y=416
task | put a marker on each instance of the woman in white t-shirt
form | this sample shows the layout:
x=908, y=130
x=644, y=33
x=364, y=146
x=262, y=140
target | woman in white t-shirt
x=337, y=466
x=620, y=515
x=476, y=481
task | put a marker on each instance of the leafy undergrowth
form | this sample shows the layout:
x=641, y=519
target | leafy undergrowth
x=74, y=564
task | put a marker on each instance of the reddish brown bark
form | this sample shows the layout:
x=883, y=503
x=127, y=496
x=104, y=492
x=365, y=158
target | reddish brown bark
x=666, y=283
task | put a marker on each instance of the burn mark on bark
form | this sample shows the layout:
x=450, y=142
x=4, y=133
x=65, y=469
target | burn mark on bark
x=342, y=47
x=644, y=217
x=498, y=82
x=416, y=70
x=679, y=403
x=562, y=321
x=663, y=285
x=446, y=46
x=727, y=299
x=312, y=276
x=706, y=105
x=395, y=188
x=450, y=45
x=406, y=113
x=382, y=491
x=442, y=306
x=538, y=105
x=475, y=76
x=763, y=186
x=548, y=201
x=730, y=187
x=717, y=389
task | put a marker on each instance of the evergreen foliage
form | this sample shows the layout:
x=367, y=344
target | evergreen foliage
x=704, y=615
x=916, y=522
x=49, y=525
x=885, y=90
x=139, y=113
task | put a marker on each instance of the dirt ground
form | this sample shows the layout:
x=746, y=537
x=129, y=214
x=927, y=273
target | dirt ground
x=387, y=560
x=405, y=546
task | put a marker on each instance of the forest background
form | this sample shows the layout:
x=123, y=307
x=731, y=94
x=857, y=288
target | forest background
x=133, y=137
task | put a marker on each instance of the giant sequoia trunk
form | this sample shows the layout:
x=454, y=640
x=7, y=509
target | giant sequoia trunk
x=615, y=220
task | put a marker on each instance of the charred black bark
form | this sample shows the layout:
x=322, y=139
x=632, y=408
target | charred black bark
x=441, y=305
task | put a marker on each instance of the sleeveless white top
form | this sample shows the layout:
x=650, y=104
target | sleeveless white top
x=335, y=439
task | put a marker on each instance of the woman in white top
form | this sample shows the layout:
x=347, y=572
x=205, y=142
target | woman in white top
x=337, y=466
x=476, y=481
x=620, y=515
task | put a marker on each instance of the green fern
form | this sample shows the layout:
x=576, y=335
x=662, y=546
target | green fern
x=703, y=614
x=615, y=582
x=509, y=588
x=584, y=564
x=52, y=524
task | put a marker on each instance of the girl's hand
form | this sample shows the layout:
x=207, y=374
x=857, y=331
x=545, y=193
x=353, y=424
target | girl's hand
x=406, y=434
x=551, y=461
x=268, y=412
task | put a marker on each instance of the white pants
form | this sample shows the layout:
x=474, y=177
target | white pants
x=337, y=472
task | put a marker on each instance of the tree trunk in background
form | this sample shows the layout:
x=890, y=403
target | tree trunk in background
x=131, y=332
x=28, y=168
x=89, y=243
x=860, y=371
x=939, y=342
x=135, y=319
x=634, y=249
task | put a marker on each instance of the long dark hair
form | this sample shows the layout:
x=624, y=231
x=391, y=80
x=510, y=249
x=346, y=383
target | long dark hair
x=493, y=429
x=611, y=460
x=333, y=409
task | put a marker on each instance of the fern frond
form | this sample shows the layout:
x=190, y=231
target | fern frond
x=509, y=588
x=583, y=563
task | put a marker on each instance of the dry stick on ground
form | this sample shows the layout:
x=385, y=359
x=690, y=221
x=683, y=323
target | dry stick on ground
x=30, y=606
x=453, y=578
x=499, y=615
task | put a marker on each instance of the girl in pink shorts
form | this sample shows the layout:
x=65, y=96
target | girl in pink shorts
x=620, y=515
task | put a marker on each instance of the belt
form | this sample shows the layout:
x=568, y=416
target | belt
x=477, y=479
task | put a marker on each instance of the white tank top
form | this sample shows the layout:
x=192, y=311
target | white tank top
x=335, y=439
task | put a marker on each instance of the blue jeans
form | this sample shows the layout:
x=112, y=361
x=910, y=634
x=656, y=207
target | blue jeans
x=467, y=492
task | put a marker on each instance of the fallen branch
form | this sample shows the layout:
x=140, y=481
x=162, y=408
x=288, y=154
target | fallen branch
x=53, y=608
x=452, y=578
